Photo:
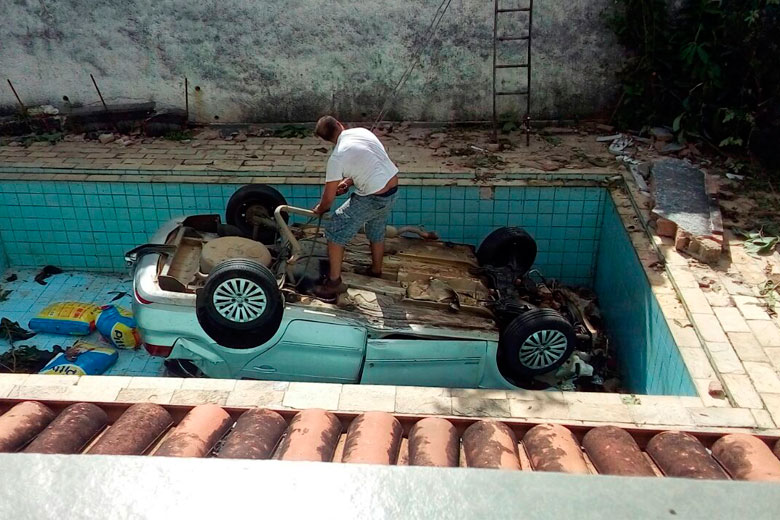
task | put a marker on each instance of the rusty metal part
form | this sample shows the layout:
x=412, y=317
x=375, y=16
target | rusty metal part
x=433, y=442
x=373, y=438
x=614, y=452
x=135, y=431
x=490, y=444
x=678, y=454
x=746, y=457
x=312, y=435
x=22, y=423
x=552, y=447
x=256, y=434
x=198, y=433
x=71, y=430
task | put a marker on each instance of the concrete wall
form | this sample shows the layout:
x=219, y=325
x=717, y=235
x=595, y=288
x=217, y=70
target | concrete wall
x=274, y=60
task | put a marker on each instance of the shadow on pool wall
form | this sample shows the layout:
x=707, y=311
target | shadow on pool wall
x=650, y=362
x=3, y=259
x=581, y=241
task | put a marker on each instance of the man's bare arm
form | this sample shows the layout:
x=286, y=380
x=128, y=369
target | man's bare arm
x=344, y=186
x=328, y=195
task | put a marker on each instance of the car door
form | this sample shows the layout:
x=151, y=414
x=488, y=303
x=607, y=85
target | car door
x=312, y=350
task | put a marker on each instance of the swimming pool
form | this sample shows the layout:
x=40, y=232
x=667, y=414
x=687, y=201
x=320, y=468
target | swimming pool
x=87, y=226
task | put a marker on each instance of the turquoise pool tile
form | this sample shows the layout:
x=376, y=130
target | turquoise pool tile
x=591, y=207
x=594, y=194
x=472, y=206
x=442, y=205
x=561, y=207
x=559, y=219
x=516, y=206
x=500, y=219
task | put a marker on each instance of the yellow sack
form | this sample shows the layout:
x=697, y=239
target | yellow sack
x=73, y=318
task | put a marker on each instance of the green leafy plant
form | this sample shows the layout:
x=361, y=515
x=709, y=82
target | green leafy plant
x=757, y=243
x=710, y=67
x=178, y=135
x=290, y=131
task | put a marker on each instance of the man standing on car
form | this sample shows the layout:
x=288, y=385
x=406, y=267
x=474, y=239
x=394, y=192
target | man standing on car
x=358, y=160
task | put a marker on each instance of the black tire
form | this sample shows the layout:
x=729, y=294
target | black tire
x=248, y=322
x=521, y=361
x=254, y=198
x=508, y=245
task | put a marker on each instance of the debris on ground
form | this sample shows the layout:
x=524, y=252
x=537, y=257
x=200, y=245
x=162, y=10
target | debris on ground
x=4, y=294
x=11, y=331
x=26, y=359
x=47, y=272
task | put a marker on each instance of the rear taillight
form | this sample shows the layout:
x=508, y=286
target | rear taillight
x=158, y=350
x=141, y=300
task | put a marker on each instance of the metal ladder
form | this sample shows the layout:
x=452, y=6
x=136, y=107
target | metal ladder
x=527, y=66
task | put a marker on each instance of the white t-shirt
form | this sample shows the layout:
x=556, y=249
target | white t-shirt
x=360, y=156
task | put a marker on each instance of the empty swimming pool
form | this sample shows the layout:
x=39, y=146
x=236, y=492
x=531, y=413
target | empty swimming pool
x=87, y=226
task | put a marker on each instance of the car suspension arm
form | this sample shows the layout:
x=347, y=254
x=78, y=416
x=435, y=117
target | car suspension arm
x=284, y=229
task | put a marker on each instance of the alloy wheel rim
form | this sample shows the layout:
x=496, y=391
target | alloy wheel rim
x=239, y=300
x=543, y=348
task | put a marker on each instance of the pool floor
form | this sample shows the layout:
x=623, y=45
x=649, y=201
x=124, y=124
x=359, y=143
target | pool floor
x=27, y=298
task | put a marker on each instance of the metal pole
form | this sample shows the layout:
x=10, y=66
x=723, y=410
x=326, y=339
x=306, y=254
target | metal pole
x=24, y=108
x=187, y=98
x=528, y=87
x=495, y=36
x=105, y=107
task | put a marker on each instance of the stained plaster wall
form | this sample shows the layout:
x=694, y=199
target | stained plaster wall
x=276, y=60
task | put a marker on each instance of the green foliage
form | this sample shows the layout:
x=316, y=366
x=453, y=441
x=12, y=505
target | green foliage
x=710, y=69
x=178, y=135
x=758, y=242
x=51, y=138
x=290, y=131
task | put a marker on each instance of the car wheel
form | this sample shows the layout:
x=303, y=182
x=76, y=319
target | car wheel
x=535, y=343
x=241, y=305
x=254, y=200
x=507, y=246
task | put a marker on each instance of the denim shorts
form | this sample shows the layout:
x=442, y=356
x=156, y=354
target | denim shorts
x=370, y=210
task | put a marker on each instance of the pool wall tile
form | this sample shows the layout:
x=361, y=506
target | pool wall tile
x=648, y=355
x=40, y=221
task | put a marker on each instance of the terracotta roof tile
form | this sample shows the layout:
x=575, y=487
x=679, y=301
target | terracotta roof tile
x=380, y=438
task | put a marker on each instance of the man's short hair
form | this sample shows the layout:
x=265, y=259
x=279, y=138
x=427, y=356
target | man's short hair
x=327, y=127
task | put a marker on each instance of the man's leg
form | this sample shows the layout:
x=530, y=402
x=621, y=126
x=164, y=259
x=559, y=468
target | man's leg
x=377, y=258
x=375, y=232
x=339, y=230
x=336, y=257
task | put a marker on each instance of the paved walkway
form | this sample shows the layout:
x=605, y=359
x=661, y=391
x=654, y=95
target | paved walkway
x=415, y=150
